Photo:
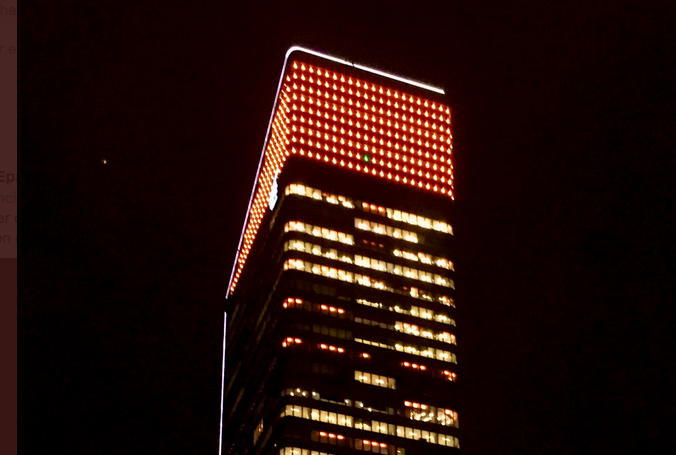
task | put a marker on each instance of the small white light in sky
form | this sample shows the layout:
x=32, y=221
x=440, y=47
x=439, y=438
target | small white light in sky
x=104, y=161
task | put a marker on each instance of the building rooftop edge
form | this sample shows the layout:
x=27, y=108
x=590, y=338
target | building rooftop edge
x=291, y=50
x=332, y=58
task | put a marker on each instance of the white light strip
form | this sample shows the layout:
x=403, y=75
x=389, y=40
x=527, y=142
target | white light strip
x=274, y=109
x=366, y=68
x=220, y=437
x=258, y=171
x=401, y=79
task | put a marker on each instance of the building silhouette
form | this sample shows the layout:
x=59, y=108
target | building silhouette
x=340, y=310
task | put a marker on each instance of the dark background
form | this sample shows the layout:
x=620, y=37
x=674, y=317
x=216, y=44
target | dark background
x=564, y=128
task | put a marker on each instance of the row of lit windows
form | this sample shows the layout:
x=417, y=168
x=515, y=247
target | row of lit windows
x=357, y=443
x=331, y=348
x=343, y=334
x=404, y=327
x=319, y=195
x=346, y=402
x=375, y=426
x=321, y=232
x=407, y=272
x=317, y=250
x=291, y=341
x=411, y=410
x=364, y=280
x=382, y=229
x=407, y=432
x=397, y=215
x=319, y=308
x=378, y=447
x=330, y=438
x=336, y=236
x=444, y=374
x=415, y=311
x=375, y=379
x=299, y=451
x=317, y=269
x=424, y=258
x=431, y=414
x=367, y=262
x=315, y=396
x=425, y=351
x=428, y=352
x=410, y=218
x=319, y=415
x=411, y=329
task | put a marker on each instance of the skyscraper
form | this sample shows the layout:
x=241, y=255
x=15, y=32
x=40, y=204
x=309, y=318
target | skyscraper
x=340, y=309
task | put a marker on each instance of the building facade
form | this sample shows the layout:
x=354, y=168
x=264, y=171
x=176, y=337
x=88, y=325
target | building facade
x=340, y=310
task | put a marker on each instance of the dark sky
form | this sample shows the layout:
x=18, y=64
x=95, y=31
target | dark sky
x=564, y=128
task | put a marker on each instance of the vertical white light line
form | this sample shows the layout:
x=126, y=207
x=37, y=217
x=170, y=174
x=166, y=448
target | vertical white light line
x=258, y=172
x=220, y=437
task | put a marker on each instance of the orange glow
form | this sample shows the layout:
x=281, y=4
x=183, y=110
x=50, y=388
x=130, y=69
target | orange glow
x=331, y=348
x=370, y=120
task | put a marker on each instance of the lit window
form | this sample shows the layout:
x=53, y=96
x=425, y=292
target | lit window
x=374, y=379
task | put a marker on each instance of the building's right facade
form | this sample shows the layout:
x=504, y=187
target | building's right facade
x=341, y=326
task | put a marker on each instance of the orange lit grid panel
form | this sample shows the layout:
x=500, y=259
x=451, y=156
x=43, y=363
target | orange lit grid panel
x=327, y=116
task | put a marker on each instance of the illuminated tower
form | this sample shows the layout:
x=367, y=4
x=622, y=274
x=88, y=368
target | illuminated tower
x=340, y=311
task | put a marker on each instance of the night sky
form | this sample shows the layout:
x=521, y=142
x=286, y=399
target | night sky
x=564, y=128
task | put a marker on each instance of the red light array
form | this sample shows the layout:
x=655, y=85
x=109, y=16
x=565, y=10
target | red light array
x=326, y=116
